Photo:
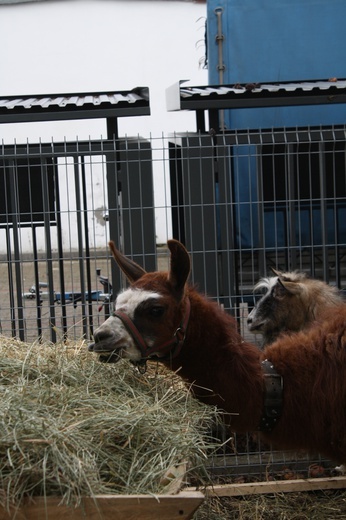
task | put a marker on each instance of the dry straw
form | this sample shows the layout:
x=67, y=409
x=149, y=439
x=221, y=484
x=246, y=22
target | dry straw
x=71, y=426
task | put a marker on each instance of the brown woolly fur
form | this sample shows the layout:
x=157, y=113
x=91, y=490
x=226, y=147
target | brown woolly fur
x=220, y=340
x=225, y=370
x=312, y=364
x=292, y=302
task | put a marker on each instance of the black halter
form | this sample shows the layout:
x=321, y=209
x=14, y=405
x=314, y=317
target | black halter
x=169, y=349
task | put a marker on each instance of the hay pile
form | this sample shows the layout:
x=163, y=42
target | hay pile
x=71, y=426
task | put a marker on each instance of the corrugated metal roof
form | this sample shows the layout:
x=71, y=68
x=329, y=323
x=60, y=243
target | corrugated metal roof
x=49, y=107
x=254, y=95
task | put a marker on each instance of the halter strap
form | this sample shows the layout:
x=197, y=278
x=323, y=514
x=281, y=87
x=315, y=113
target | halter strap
x=170, y=348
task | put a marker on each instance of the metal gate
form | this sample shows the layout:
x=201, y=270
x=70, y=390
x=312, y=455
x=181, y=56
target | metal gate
x=60, y=204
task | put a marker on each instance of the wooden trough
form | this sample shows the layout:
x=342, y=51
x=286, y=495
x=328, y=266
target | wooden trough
x=273, y=487
x=110, y=507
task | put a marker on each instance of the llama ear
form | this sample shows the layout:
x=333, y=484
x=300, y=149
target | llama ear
x=180, y=266
x=131, y=270
x=276, y=272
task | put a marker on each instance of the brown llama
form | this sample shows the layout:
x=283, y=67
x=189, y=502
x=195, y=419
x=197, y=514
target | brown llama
x=293, y=392
x=292, y=302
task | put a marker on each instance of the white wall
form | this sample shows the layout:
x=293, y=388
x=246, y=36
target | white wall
x=97, y=45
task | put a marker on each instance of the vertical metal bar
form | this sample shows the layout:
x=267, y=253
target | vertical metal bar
x=219, y=245
x=37, y=283
x=311, y=216
x=114, y=218
x=15, y=222
x=260, y=214
x=200, y=121
x=60, y=248
x=232, y=240
x=220, y=66
x=291, y=245
x=114, y=196
x=214, y=121
x=112, y=128
x=10, y=282
x=323, y=205
x=334, y=204
x=80, y=241
x=176, y=188
x=87, y=245
x=49, y=256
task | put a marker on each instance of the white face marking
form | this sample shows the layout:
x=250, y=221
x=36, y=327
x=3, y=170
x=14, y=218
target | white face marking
x=128, y=300
x=252, y=319
x=115, y=334
x=266, y=283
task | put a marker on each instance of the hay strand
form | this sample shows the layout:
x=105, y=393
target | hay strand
x=71, y=426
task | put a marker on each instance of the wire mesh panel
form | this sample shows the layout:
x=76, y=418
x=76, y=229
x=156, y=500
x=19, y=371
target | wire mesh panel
x=246, y=202
x=241, y=202
x=60, y=204
x=244, y=458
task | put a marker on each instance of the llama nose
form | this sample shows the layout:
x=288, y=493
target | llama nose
x=102, y=335
x=249, y=320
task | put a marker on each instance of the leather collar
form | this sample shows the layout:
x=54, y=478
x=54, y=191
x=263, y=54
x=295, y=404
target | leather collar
x=273, y=393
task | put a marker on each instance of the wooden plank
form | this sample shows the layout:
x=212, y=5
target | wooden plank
x=277, y=486
x=112, y=507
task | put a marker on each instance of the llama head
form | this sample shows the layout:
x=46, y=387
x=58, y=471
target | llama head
x=149, y=317
x=284, y=306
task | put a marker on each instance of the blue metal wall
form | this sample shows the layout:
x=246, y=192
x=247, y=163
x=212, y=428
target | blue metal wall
x=271, y=41
x=279, y=40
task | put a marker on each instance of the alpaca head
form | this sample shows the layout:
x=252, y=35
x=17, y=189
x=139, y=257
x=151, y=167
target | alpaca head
x=291, y=301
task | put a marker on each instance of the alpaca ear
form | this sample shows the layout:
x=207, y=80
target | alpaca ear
x=291, y=287
x=131, y=270
x=276, y=272
x=180, y=266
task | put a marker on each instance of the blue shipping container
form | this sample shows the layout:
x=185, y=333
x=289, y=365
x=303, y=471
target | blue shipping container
x=266, y=41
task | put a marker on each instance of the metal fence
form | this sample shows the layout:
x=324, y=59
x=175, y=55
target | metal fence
x=241, y=202
x=60, y=203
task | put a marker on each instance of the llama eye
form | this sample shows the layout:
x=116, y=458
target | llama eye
x=157, y=311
